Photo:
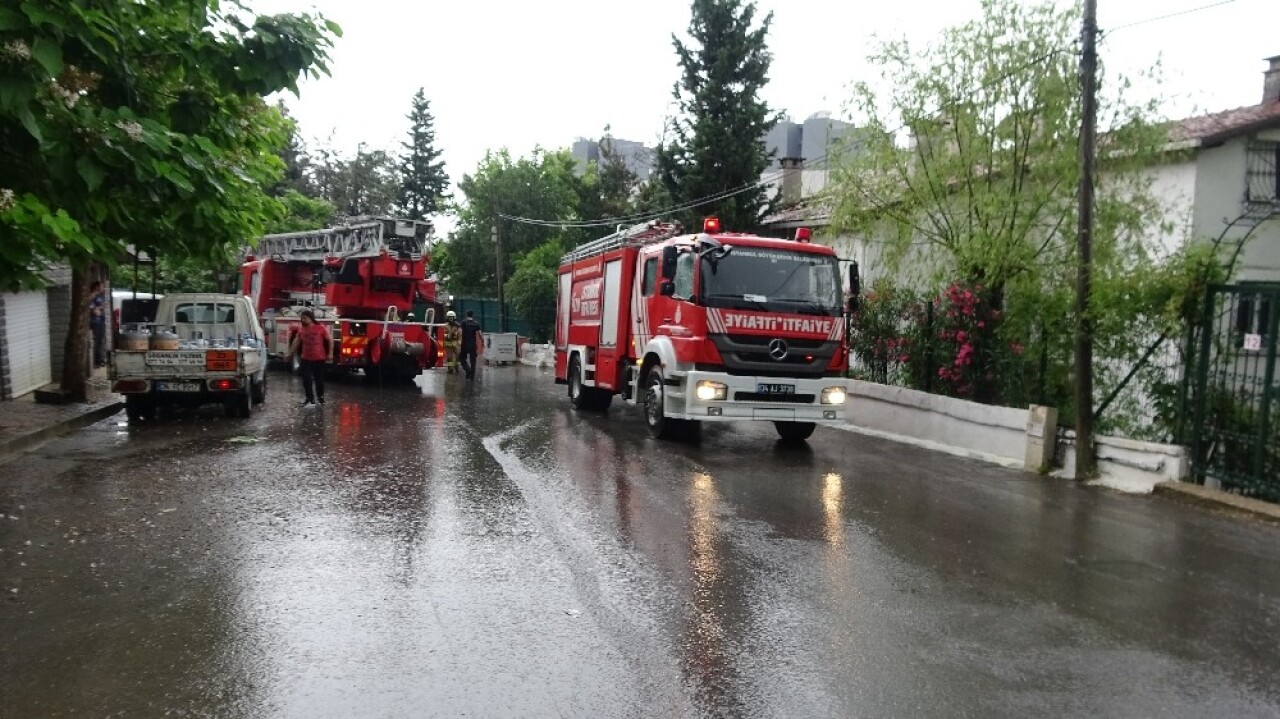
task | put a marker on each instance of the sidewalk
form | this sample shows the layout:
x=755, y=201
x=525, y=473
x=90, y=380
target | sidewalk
x=24, y=423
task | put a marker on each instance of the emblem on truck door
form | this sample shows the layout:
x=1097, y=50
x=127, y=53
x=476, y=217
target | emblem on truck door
x=778, y=350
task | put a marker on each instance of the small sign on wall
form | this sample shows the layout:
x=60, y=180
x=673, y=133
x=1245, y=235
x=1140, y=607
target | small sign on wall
x=1253, y=343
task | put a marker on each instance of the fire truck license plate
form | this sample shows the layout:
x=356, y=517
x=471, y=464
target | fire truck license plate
x=775, y=388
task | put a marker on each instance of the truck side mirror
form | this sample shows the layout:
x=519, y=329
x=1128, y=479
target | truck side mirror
x=667, y=288
x=669, y=254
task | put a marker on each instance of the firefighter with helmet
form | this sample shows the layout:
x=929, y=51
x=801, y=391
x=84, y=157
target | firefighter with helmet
x=452, y=341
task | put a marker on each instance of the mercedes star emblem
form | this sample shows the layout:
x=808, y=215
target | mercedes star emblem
x=777, y=350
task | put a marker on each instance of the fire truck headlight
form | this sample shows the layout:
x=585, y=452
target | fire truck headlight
x=833, y=395
x=708, y=391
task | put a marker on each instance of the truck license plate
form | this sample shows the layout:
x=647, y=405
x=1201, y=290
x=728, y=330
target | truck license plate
x=178, y=386
x=763, y=388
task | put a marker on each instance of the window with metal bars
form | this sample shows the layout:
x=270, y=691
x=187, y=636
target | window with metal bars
x=1262, y=182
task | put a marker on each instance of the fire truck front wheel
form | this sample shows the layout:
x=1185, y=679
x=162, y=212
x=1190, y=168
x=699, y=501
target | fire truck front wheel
x=655, y=416
x=583, y=397
x=794, y=431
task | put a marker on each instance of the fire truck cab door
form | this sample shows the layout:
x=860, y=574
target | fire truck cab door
x=611, y=347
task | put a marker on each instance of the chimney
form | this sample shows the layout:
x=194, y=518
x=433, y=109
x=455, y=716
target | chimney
x=792, y=173
x=1271, y=81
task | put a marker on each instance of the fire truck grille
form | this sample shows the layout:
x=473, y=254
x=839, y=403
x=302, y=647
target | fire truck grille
x=750, y=355
x=775, y=398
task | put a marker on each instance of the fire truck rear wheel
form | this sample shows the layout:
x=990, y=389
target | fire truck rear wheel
x=583, y=397
x=794, y=431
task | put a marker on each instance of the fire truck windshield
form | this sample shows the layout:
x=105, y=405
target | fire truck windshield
x=756, y=278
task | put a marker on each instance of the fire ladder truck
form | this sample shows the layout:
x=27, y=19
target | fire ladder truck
x=361, y=280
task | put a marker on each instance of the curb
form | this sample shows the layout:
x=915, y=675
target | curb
x=1006, y=462
x=30, y=441
x=1217, y=499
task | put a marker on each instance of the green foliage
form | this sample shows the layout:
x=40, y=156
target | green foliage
x=424, y=186
x=542, y=186
x=532, y=289
x=365, y=184
x=989, y=183
x=297, y=162
x=985, y=193
x=299, y=212
x=140, y=123
x=716, y=143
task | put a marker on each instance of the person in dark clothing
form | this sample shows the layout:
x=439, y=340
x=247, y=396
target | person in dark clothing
x=470, y=344
x=316, y=345
x=98, y=323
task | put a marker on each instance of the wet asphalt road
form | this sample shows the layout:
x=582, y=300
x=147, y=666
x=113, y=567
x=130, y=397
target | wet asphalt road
x=453, y=550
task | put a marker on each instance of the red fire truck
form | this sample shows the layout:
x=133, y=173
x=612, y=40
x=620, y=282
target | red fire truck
x=705, y=327
x=361, y=279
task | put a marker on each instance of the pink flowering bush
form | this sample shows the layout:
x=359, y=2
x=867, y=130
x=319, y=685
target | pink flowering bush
x=949, y=344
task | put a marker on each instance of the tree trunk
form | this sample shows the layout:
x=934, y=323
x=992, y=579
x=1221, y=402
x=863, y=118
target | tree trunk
x=75, y=366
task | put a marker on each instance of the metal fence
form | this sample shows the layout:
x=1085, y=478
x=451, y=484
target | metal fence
x=1234, y=435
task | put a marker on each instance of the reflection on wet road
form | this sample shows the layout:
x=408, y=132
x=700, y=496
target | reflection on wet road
x=481, y=550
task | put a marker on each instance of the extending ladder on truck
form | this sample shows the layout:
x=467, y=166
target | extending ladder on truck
x=361, y=237
x=641, y=234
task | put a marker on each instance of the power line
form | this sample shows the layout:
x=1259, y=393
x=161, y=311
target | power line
x=1158, y=18
x=766, y=180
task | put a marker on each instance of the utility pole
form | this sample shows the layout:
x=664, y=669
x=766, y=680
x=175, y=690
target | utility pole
x=502, y=295
x=1084, y=240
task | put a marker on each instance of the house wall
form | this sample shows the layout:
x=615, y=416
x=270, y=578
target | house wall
x=1173, y=184
x=1260, y=257
x=1219, y=200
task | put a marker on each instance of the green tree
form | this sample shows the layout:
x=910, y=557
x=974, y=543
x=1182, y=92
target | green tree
x=299, y=212
x=542, y=186
x=532, y=288
x=138, y=123
x=424, y=186
x=717, y=142
x=984, y=195
x=366, y=184
x=297, y=162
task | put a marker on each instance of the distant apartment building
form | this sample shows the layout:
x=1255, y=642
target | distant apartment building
x=802, y=150
x=638, y=158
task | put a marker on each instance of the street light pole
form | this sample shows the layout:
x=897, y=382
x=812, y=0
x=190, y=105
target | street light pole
x=502, y=295
x=1085, y=464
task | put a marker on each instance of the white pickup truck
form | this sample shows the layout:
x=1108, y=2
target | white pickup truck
x=198, y=349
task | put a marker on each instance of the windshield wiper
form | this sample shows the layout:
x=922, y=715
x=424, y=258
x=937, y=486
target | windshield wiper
x=810, y=307
x=752, y=304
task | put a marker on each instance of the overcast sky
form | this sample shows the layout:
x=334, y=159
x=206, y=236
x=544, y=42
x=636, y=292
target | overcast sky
x=517, y=73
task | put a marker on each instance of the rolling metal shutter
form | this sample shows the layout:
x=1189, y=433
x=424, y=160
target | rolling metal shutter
x=26, y=334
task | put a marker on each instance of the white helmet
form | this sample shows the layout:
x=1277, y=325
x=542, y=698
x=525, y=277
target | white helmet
x=451, y=315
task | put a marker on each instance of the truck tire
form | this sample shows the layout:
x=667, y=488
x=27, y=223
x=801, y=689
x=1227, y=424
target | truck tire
x=655, y=406
x=241, y=405
x=139, y=407
x=260, y=390
x=582, y=397
x=794, y=431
